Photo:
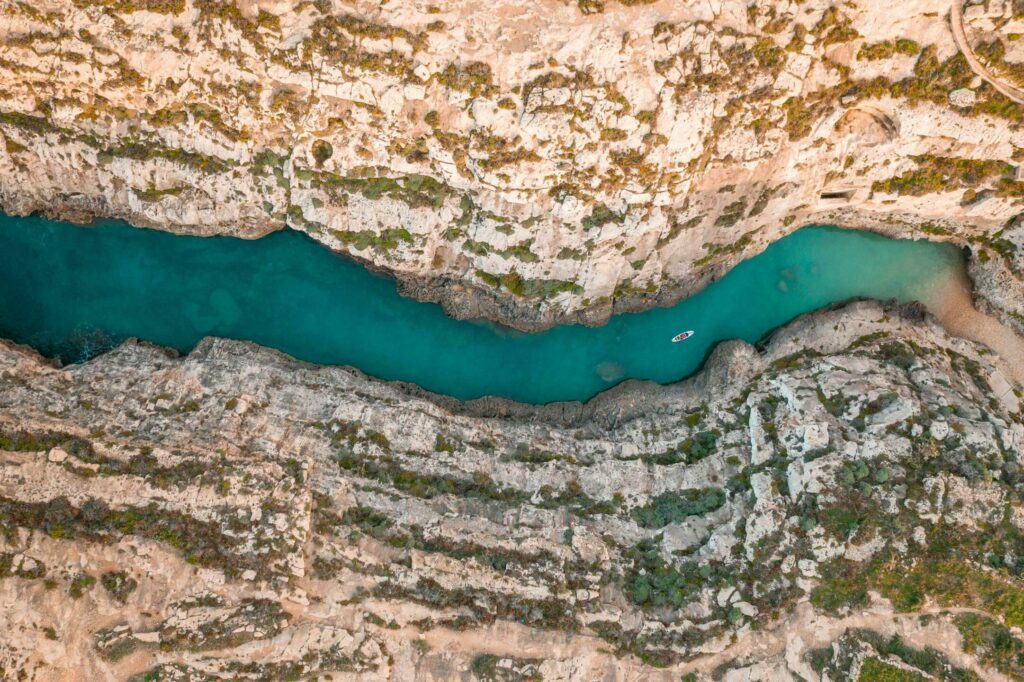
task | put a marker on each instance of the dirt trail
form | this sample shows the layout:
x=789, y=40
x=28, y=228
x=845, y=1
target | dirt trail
x=956, y=24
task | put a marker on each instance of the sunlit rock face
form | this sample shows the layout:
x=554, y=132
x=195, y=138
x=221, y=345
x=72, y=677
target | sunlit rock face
x=784, y=514
x=531, y=161
x=843, y=503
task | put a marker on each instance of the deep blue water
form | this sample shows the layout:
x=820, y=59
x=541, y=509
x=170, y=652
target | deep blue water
x=72, y=292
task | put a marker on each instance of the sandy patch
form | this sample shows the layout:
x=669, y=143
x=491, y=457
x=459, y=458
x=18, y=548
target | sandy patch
x=951, y=303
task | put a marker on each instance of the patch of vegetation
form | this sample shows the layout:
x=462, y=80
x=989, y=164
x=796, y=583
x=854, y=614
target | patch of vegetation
x=834, y=27
x=251, y=619
x=654, y=583
x=200, y=542
x=37, y=125
x=601, y=215
x=572, y=497
x=367, y=520
x=932, y=81
x=119, y=584
x=417, y=191
x=677, y=227
x=152, y=194
x=716, y=250
x=836, y=661
x=613, y=135
x=485, y=667
x=80, y=584
x=7, y=569
x=529, y=455
x=992, y=643
x=520, y=286
x=128, y=6
x=485, y=606
x=732, y=213
x=114, y=643
x=322, y=150
x=691, y=450
x=473, y=77
x=388, y=471
x=943, y=174
x=385, y=240
x=834, y=405
x=768, y=54
x=673, y=507
x=945, y=571
x=521, y=252
x=876, y=670
x=41, y=441
x=138, y=149
x=887, y=49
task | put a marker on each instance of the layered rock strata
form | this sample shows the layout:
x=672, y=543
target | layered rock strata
x=847, y=500
x=529, y=161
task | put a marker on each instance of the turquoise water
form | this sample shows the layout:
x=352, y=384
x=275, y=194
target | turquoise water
x=72, y=292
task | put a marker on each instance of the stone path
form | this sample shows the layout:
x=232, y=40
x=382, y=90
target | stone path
x=956, y=22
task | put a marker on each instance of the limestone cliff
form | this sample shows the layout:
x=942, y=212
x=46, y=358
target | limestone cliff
x=531, y=161
x=845, y=503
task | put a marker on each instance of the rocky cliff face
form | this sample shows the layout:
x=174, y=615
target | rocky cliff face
x=531, y=161
x=845, y=503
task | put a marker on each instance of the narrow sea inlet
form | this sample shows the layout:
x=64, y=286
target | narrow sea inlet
x=72, y=292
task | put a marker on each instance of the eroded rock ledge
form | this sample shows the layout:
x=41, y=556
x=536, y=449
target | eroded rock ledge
x=529, y=161
x=237, y=514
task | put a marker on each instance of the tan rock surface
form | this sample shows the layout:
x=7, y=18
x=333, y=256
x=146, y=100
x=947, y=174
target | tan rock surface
x=845, y=502
x=238, y=515
x=522, y=160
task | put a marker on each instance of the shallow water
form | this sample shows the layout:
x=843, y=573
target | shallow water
x=72, y=292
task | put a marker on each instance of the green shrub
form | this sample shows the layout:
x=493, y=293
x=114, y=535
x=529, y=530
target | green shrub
x=992, y=643
x=692, y=450
x=119, y=584
x=673, y=507
x=80, y=584
x=322, y=150
x=877, y=670
x=654, y=583
x=943, y=174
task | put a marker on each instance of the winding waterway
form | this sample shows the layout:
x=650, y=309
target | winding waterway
x=71, y=292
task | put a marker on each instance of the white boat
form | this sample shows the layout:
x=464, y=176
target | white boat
x=682, y=336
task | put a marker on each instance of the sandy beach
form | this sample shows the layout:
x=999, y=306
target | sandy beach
x=952, y=304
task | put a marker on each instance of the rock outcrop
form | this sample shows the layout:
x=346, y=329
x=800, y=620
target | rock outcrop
x=530, y=161
x=846, y=502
